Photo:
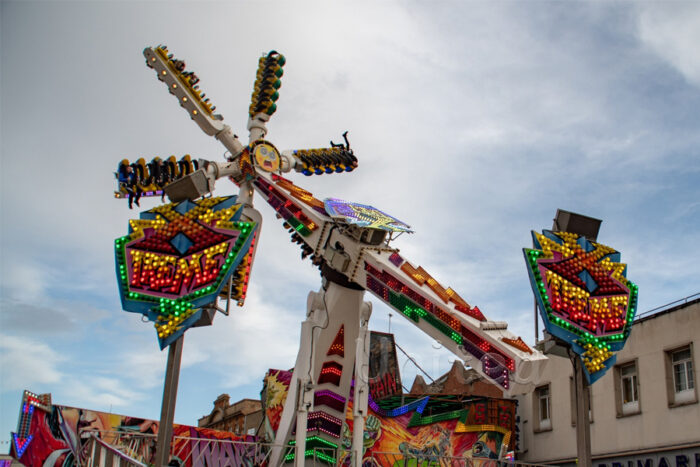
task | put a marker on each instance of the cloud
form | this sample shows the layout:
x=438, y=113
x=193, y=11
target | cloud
x=242, y=346
x=27, y=362
x=143, y=369
x=59, y=318
x=672, y=31
x=103, y=393
x=22, y=279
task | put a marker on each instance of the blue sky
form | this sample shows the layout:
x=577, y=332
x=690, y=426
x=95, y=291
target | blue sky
x=472, y=122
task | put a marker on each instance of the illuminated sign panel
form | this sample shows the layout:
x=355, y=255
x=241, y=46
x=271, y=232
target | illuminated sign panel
x=583, y=296
x=177, y=258
x=363, y=215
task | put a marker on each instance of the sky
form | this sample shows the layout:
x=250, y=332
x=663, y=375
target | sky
x=472, y=121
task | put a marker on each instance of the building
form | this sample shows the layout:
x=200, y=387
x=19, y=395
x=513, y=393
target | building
x=644, y=410
x=459, y=380
x=242, y=418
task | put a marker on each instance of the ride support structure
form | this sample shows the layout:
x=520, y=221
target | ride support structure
x=351, y=244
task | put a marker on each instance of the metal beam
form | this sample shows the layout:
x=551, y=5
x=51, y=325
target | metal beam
x=167, y=411
x=583, y=422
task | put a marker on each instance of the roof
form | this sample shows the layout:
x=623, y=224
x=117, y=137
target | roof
x=668, y=308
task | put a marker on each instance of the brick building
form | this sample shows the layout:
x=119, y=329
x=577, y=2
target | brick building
x=242, y=417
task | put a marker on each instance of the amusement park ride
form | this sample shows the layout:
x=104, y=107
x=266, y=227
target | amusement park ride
x=180, y=259
x=349, y=242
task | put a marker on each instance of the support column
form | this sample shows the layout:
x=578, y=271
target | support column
x=303, y=406
x=167, y=411
x=322, y=377
x=360, y=396
x=583, y=423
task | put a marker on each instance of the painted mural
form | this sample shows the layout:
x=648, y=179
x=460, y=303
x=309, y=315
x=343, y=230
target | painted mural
x=55, y=436
x=273, y=397
x=418, y=427
x=429, y=428
x=384, y=376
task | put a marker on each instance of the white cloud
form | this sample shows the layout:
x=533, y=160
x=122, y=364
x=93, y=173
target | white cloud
x=142, y=367
x=672, y=31
x=102, y=393
x=26, y=362
x=22, y=279
x=242, y=346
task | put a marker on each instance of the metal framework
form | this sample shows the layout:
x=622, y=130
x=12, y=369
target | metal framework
x=120, y=453
x=350, y=243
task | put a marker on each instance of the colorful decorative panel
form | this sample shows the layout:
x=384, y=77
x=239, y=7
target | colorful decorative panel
x=338, y=345
x=363, y=215
x=321, y=421
x=58, y=434
x=584, y=296
x=273, y=397
x=384, y=376
x=330, y=373
x=30, y=401
x=177, y=258
x=476, y=429
x=267, y=157
x=329, y=398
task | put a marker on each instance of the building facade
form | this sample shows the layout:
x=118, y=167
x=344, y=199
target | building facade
x=459, y=380
x=242, y=418
x=644, y=410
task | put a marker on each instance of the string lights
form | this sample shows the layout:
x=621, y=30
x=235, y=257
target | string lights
x=316, y=447
x=338, y=345
x=330, y=373
x=325, y=423
x=330, y=399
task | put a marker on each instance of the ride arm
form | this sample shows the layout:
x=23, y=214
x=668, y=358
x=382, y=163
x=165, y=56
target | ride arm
x=303, y=215
x=201, y=182
x=184, y=85
x=487, y=346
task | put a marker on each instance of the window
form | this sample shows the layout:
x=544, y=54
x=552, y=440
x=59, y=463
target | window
x=543, y=412
x=682, y=377
x=682, y=370
x=630, y=388
x=627, y=389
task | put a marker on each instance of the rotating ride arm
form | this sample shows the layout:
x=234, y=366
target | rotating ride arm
x=487, y=346
x=361, y=257
x=184, y=85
